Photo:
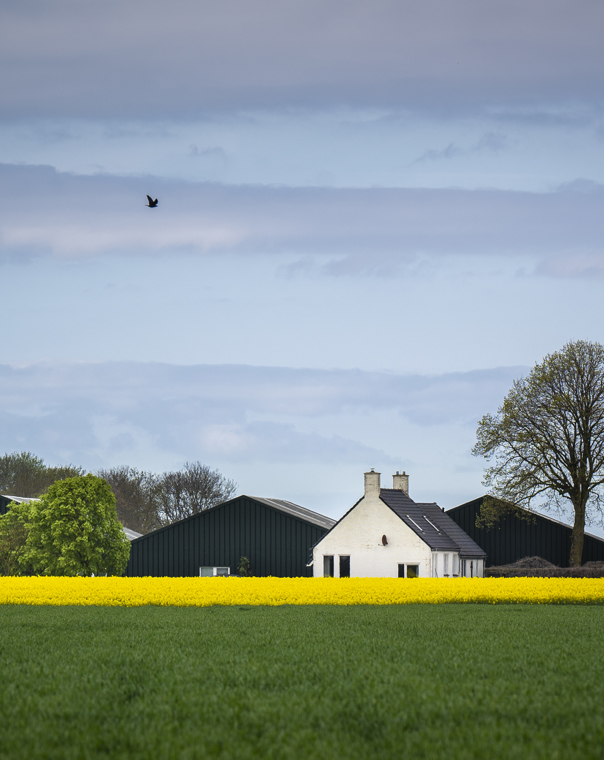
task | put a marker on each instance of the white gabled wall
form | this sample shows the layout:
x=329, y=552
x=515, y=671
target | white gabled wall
x=359, y=536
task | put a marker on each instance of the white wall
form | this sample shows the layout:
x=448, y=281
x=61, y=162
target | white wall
x=473, y=570
x=359, y=535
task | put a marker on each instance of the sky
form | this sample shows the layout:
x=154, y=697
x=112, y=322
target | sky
x=372, y=218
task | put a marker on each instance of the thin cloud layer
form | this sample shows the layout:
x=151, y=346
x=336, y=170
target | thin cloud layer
x=49, y=213
x=113, y=412
x=147, y=58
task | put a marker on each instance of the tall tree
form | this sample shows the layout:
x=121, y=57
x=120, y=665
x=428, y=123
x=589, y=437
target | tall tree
x=547, y=439
x=188, y=491
x=74, y=530
x=24, y=474
x=136, y=496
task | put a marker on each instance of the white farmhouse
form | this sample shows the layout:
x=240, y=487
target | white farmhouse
x=388, y=535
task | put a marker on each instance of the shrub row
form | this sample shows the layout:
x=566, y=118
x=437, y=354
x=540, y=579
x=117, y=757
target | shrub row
x=536, y=567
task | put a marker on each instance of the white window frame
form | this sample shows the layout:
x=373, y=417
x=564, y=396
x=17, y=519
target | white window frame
x=214, y=570
x=331, y=557
x=407, y=565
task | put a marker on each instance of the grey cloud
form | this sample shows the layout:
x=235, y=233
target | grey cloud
x=212, y=153
x=492, y=142
x=451, y=151
x=97, y=411
x=362, y=230
x=189, y=57
x=571, y=114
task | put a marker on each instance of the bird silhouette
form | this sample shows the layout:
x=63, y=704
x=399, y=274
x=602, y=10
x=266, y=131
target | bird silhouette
x=152, y=203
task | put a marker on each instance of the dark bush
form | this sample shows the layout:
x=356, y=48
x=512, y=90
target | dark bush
x=537, y=567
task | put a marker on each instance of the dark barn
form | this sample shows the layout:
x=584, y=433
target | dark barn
x=275, y=535
x=6, y=500
x=513, y=538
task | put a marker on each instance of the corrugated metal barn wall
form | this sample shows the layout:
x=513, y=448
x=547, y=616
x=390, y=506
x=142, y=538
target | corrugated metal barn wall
x=276, y=543
x=512, y=538
x=4, y=502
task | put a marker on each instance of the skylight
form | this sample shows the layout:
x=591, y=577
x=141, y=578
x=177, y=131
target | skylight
x=413, y=521
x=432, y=524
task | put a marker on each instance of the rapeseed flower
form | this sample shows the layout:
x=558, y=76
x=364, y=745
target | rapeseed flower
x=207, y=592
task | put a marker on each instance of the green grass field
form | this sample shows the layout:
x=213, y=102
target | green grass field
x=445, y=681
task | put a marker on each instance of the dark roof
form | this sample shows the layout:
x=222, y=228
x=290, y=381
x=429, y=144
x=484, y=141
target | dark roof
x=5, y=500
x=536, y=515
x=297, y=511
x=131, y=534
x=431, y=524
x=293, y=510
x=513, y=537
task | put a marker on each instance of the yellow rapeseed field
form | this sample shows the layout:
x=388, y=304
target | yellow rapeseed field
x=205, y=592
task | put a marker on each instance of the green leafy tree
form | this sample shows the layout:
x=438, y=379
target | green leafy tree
x=546, y=441
x=24, y=474
x=74, y=530
x=244, y=567
x=14, y=530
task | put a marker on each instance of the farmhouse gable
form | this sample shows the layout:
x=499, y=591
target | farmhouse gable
x=387, y=534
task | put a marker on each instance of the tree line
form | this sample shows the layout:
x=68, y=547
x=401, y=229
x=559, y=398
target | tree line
x=145, y=500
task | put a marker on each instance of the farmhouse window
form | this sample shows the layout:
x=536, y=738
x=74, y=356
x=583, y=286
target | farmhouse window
x=328, y=566
x=412, y=571
x=455, y=564
x=344, y=567
x=446, y=564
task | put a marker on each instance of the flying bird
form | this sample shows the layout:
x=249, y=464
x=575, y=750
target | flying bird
x=152, y=203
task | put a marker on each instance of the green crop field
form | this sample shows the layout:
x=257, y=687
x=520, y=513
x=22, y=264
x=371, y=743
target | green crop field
x=443, y=681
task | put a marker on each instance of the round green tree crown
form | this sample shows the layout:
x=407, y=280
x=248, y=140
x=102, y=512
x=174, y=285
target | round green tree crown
x=74, y=530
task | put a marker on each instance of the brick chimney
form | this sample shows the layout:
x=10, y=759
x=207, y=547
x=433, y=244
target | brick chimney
x=372, y=483
x=400, y=482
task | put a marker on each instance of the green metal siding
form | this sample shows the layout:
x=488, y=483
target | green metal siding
x=275, y=542
x=4, y=502
x=512, y=538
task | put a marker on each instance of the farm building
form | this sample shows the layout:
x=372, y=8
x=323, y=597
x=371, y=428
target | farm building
x=388, y=535
x=275, y=535
x=513, y=538
x=6, y=500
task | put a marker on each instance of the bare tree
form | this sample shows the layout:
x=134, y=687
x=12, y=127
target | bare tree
x=24, y=474
x=547, y=440
x=191, y=490
x=136, y=496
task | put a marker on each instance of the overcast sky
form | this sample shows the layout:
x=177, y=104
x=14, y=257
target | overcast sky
x=372, y=217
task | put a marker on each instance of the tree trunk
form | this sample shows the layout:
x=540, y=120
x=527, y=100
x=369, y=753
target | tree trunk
x=577, y=537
